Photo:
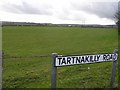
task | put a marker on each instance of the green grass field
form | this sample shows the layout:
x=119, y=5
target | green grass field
x=27, y=60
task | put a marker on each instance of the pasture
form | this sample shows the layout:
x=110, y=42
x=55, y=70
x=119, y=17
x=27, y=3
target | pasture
x=27, y=56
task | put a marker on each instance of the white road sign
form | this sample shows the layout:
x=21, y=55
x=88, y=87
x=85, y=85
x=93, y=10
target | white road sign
x=84, y=59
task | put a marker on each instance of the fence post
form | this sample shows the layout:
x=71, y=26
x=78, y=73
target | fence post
x=1, y=55
x=54, y=71
x=113, y=70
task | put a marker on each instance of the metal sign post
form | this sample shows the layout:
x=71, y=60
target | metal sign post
x=113, y=71
x=54, y=71
x=59, y=60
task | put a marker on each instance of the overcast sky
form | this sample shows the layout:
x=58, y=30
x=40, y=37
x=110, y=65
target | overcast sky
x=59, y=11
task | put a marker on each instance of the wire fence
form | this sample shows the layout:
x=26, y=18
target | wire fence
x=76, y=76
x=93, y=51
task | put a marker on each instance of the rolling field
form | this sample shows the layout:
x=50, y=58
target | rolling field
x=28, y=62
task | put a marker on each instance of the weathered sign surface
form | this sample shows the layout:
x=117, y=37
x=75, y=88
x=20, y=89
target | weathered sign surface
x=84, y=59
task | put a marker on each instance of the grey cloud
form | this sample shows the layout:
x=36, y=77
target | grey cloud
x=27, y=8
x=101, y=9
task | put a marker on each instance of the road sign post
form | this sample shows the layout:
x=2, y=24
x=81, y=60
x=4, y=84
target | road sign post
x=59, y=60
x=113, y=71
x=54, y=71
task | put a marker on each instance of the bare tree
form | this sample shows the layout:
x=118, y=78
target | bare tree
x=117, y=16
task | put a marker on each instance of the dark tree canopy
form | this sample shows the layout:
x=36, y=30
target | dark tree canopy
x=117, y=17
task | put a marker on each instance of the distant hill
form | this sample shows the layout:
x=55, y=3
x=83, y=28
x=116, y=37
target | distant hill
x=7, y=23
